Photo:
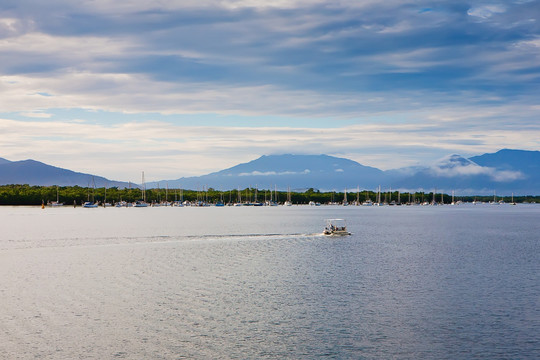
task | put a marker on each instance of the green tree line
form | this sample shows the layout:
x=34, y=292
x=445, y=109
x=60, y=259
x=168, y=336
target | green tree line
x=36, y=195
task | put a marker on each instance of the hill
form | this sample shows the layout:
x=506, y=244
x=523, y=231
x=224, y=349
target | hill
x=33, y=172
x=504, y=172
x=283, y=171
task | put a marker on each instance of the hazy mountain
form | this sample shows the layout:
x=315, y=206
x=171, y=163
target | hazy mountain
x=4, y=161
x=527, y=162
x=282, y=171
x=33, y=172
x=483, y=174
x=524, y=163
x=504, y=172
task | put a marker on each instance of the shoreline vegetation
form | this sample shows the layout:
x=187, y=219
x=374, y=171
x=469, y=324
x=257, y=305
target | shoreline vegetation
x=71, y=195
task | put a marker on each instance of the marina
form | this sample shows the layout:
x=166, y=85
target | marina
x=270, y=180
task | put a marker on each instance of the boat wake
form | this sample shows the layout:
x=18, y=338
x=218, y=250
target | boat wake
x=235, y=236
x=151, y=239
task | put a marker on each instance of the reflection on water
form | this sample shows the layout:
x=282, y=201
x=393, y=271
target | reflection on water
x=173, y=283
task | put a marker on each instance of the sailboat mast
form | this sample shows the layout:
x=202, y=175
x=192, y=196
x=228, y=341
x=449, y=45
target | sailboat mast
x=143, y=188
x=93, y=189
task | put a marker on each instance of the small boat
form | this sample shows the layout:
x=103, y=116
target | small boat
x=288, y=202
x=336, y=227
x=140, y=204
x=89, y=204
x=368, y=202
x=57, y=202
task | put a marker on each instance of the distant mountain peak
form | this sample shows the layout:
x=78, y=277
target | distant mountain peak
x=506, y=170
x=454, y=161
x=457, y=166
x=288, y=170
x=4, y=161
x=289, y=164
x=35, y=172
x=511, y=159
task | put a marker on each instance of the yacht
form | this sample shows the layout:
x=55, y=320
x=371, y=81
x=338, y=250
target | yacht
x=57, y=202
x=89, y=204
x=140, y=204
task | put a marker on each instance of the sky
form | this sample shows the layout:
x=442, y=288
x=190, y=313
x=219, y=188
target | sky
x=184, y=88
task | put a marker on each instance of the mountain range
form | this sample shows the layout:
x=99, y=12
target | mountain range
x=504, y=172
x=33, y=172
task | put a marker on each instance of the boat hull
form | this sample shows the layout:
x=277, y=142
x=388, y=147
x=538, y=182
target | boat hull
x=336, y=233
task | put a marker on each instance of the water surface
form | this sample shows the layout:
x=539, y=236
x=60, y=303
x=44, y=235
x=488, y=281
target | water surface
x=206, y=283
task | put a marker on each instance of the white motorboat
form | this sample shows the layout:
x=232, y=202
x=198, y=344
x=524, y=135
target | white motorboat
x=336, y=227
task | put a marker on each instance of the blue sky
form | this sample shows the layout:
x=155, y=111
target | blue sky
x=180, y=88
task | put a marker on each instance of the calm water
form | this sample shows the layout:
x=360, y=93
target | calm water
x=260, y=283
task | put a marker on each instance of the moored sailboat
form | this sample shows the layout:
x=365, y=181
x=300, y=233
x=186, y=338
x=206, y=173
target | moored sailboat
x=57, y=202
x=142, y=203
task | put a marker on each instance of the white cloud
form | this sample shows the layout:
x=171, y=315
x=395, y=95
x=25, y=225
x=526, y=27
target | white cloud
x=131, y=6
x=486, y=11
x=36, y=114
x=168, y=151
x=9, y=25
x=273, y=173
x=315, y=65
x=474, y=169
x=75, y=48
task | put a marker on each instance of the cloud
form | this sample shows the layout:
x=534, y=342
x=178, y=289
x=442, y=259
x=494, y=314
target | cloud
x=289, y=44
x=388, y=84
x=273, y=173
x=37, y=114
x=486, y=11
x=166, y=150
x=452, y=167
